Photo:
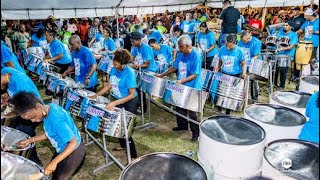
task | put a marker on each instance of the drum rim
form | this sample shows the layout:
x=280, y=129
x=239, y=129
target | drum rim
x=158, y=153
x=304, y=77
x=273, y=96
x=237, y=118
x=24, y=159
x=298, y=141
x=305, y=42
x=277, y=107
x=31, y=145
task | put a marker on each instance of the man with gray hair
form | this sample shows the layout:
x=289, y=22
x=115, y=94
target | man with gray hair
x=188, y=68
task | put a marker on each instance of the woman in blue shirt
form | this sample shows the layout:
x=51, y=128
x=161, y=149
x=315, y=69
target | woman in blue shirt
x=99, y=36
x=206, y=41
x=310, y=130
x=39, y=39
x=59, y=128
x=123, y=84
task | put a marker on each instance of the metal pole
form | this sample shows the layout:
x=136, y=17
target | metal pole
x=271, y=78
x=174, y=112
x=124, y=121
x=114, y=159
x=149, y=112
x=247, y=91
x=200, y=105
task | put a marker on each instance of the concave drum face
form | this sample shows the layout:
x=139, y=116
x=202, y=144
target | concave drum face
x=304, y=157
x=291, y=98
x=163, y=166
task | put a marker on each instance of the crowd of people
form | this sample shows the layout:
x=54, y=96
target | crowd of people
x=168, y=43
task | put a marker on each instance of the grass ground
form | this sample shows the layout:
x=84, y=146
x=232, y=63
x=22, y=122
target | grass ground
x=157, y=139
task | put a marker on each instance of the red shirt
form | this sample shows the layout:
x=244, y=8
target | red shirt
x=256, y=23
x=83, y=31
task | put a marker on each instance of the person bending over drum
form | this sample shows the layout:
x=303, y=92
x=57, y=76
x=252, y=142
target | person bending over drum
x=83, y=64
x=251, y=47
x=289, y=50
x=188, y=68
x=123, y=85
x=59, y=128
x=14, y=81
x=232, y=61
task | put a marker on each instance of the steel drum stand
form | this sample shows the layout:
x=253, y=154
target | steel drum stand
x=149, y=124
x=170, y=109
x=107, y=155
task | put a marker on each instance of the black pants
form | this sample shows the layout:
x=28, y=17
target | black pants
x=283, y=76
x=28, y=127
x=130, y=106
x=254, y=89
x=70, y=165
x=63, y=67
x=183, y=124
x=207, y=63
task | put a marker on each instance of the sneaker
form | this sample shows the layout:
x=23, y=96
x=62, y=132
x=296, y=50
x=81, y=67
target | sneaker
x=294, y=79
x=179, y=129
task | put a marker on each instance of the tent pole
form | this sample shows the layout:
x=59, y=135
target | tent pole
x=117, y=23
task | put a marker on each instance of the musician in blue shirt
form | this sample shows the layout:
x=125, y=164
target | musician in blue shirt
x=83, y=64
x=206, y=41
x=232, y=60
x=289, y=50
x=163, y=53
x=123, y=85
x=188, y=27
x=39, y=40
x=153, y=34
x=188, y=68
x=310, y=130
x=59, y=129
x=9, y=59
x=251, y=47
x=57, y=52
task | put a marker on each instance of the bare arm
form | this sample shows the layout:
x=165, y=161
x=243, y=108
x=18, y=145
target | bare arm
x=9, y=64
x=122, y=100
x=189, y=78
x=169, y=71
x=92, y=70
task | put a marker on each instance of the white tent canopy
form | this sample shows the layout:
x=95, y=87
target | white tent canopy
x=41, y=9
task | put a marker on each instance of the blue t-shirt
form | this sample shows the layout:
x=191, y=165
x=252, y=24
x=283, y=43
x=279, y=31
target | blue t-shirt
x=142, y=54
x=60, y=128
x=293, y=40
x=20, y=82
x=82, y=61
x=99, y=37
x=308, y=25
x=231, y=60
x=188, y=65
x=251, y=49
x=155, y=34
x=188, y=27
x=310, y=130
x=55, y=48
x=239, y=26
x=164, y=55
x=206, y=41
x=122, y=81
x=8, y=56
x=195, y=21
x=109, y=44
x=39, y=42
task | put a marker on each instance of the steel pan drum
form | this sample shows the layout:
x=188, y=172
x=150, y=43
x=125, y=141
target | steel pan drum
x=228, y=91
x=10, y=136
x=284, y=41
x=231, y=147
x=309, y=84
x=152, y=85
x=279, y=122
x=271, y=41
x=282, y=60
x=259, y=70
x=184, y=96
x=108, y=122
x=38, y=51
x=267, y=56
x=163, y=166
x=206, y=79
x=17, y=167
x=303, y=53
x=291, y=159
x=105, y=64
x=291, y=99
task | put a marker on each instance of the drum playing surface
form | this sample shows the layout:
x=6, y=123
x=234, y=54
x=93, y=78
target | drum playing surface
x=276, y=115
x=303, y=155
x=163, y=166
x=292, y=98
x=232, y=130
x=10, y=137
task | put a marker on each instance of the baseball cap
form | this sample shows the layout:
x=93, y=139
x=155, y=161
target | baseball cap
x=136, y=35
x=84, y=19
x=309, y=12
x=297, y=8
